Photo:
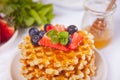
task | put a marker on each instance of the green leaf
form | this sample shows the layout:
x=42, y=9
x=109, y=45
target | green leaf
x=50, y=6
x=45, y=10
x=51, y=33
x=44, y=20
x=50, y=16
x=63, y=37
x=26, y=12
x=29, y=21
x=37, y=6
x=36, y=16
x=55, y=39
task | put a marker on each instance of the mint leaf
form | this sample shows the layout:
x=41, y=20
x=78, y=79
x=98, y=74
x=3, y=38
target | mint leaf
x=51, y=33
x=55, y=39
x=29, y=21
x=26, y=13
x=58, y=37
x=63, y=37
x=36, y=16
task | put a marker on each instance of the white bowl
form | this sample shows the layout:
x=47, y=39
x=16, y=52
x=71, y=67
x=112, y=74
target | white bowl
x=12, y=39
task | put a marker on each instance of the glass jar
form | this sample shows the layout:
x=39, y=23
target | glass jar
x=98, y=21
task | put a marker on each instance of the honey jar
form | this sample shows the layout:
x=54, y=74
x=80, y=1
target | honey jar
x=99, y=22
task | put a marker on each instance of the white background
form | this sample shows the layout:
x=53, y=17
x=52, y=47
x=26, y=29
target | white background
x=67, y=16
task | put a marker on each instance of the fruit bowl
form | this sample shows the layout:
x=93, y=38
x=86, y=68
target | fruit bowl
x=7, y=33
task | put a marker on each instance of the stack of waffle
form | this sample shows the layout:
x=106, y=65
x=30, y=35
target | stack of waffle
x=45, y=63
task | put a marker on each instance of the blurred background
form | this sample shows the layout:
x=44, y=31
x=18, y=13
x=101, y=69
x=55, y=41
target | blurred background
x=65, y=12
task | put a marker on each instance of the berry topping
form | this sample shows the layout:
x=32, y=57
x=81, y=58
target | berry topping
x=76, y=40
x=71, y=29
x=45, y=41
x=57, y=37
x=35, y=39
x=41, y=33
x=59, y=28
x=33, y=31
x=48, y=27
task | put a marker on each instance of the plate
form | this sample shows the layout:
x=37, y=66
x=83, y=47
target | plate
x=99, y=61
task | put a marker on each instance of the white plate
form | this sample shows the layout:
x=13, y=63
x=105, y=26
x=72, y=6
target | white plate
x=99, y=61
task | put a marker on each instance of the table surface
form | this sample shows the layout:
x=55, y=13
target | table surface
x=65, y=16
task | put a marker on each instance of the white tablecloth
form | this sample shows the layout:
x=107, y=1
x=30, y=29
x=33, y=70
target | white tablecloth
x=111, y=53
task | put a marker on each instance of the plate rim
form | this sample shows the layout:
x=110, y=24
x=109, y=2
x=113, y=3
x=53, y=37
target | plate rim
x=104, y=62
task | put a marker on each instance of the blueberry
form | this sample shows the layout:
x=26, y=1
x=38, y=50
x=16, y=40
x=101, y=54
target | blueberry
x=69, y=40
x=35, y=39
x=71, y=29
x=33, y=31
x=46, y=25
x=41, y=33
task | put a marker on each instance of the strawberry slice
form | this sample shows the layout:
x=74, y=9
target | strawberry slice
x=59, y=28
x=49, y=27
x=76, y=40
x=45, y=41
x=56, y=27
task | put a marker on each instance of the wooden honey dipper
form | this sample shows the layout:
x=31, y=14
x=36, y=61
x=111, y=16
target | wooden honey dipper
x=99, y=24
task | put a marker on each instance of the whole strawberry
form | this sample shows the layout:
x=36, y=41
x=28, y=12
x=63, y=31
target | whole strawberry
x=6, y=31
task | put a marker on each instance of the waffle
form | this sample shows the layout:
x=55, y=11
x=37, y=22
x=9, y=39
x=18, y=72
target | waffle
x=44, y=63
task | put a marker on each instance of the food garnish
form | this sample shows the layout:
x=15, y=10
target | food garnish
x=57, y=37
